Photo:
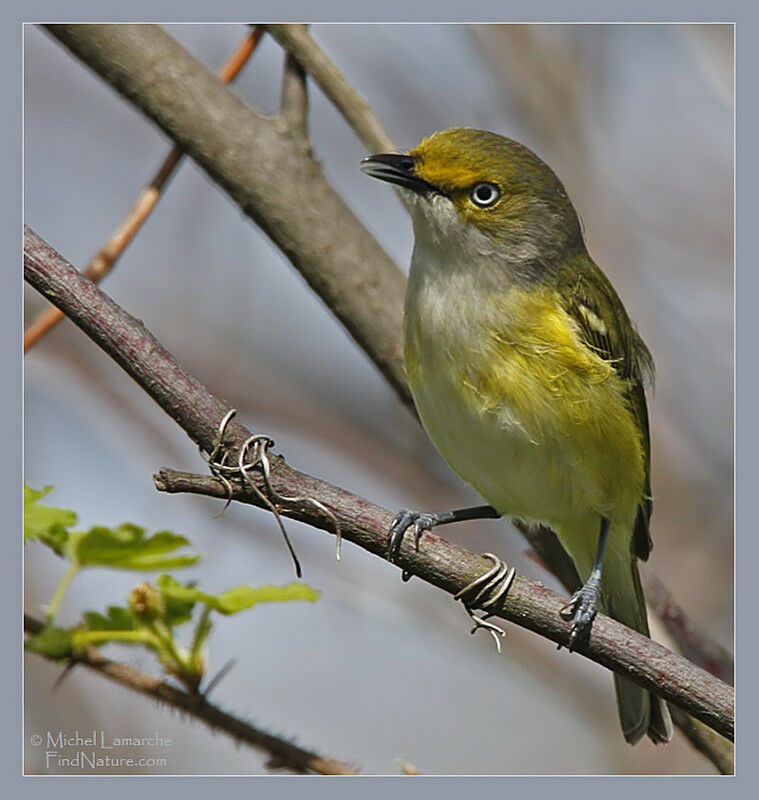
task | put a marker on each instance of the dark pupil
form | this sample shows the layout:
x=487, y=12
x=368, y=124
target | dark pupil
x=484, y=193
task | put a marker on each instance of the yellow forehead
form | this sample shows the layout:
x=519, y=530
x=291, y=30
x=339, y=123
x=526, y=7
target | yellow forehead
x=449, y=161
x=446, y=176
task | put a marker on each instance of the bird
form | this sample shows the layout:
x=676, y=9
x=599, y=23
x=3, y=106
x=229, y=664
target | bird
x=527, y=373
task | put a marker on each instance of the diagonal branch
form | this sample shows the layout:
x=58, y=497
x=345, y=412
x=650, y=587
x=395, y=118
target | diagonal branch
x=692, y=640
x=296, y=40
x=282, y=753
x=294, y=96
x=105, y=259
x=447, y=566
x=715, y=747
x=247, y=154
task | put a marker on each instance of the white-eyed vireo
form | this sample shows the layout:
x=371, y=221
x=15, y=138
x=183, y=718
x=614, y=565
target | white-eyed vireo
x=527, y=372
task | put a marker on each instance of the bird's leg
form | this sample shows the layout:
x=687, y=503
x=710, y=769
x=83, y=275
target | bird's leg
x=583, y=606
x=422, y=522
x=488, y=590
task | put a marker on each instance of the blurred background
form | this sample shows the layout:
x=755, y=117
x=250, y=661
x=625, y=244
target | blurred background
x=637, y=121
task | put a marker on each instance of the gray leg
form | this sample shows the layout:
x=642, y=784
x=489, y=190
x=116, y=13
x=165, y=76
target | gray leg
x=583, y=606
x=422, y=522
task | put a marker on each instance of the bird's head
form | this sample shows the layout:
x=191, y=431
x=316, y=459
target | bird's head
x=464, y=180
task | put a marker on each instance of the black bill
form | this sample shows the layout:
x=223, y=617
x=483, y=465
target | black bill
x=395, y=168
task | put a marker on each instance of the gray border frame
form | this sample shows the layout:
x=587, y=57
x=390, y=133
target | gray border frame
x=747, y=380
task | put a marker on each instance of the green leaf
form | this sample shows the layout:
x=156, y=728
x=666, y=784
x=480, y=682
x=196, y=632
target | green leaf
x=178, y=610
x=119, y=625
x=81, y=638
x=242, y=597
x=32, y=495
x=45, y=523
x=51, y=642
x=237, y=599
x=126, y=547
x=118, y=619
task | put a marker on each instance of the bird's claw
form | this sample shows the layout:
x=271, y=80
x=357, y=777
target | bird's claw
x=404, y=520
x=581, y=610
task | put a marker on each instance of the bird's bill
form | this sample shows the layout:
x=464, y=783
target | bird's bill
x=395, y=168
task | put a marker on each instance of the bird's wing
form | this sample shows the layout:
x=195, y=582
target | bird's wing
x=606, y=329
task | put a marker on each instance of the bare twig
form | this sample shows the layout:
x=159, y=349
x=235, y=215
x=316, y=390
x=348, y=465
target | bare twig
x=296, y=40
x=529, y=604
x=231, y=69
x=451, y=568
x=692, y=640
x=282, y=753
x=716, y=748
x=294, y=100
x=105, y=259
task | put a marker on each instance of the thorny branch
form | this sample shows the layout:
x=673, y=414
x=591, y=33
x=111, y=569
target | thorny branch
x=282, y=753
x=447, y=566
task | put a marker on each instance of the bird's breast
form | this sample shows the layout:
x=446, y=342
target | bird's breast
x=516, y=405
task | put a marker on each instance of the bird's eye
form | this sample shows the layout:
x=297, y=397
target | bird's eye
x=485, y=195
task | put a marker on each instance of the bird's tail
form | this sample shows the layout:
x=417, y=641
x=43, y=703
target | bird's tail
x=639, y=711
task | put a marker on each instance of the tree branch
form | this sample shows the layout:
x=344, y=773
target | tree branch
x=296, y=40
x=282, y=753
x=447, y=566
x=293, y=105
x=105, y=259
x=716, y=748
x=247, y=154
x=692, y=640
x=376, y=296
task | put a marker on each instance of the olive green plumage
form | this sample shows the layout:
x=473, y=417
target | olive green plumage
x=591, y=299
x=525, y=368
x=616, y=341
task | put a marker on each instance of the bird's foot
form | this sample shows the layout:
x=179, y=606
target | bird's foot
x=487, y=592
x=581, y=610
x=405, y=519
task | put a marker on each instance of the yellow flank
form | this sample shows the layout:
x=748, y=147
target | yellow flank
x=529, y=416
